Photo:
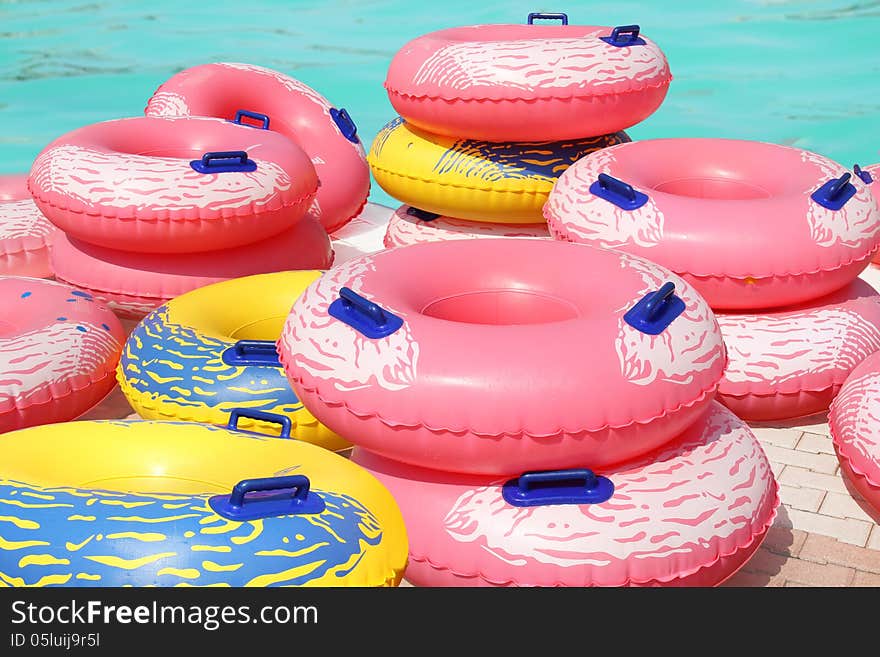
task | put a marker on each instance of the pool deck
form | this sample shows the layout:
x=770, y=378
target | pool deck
x=823, y=535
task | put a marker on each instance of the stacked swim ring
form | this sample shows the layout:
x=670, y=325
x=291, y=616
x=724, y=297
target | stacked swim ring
x=491, y=115
x=211, y=350
x=149, y=503
x=509, y=407
x=790, y=344
x=253, y=95
x=25, y=234
x=853, y=420
x=409, y=225
x=58, y=351
x=153, y=207
x=870, y=175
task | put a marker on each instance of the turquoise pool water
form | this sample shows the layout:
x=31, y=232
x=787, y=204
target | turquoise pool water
x=805, y=73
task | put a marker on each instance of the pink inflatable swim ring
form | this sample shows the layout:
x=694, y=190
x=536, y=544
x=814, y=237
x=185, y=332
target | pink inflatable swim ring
x=409, y=225
x=134, y=284
x=535, y=82
x=25, y=234
x=855, y=429
x=245, y=93
x=172, y=185
x=494, y=356
x=58, y=352
x=791, y=362
x=688, y=514
x=870, y=175
x=715, y=211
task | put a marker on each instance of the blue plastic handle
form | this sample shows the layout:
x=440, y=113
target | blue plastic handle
x=615, y=191
x=623, y=36
x=251, y=352
x=224, y=161
x=345, y=123
x=577, y=486
x=421, y=215
x=864, y=176
x=251, y=115
x=236, y=505
x=272, y=418
x=655, y=311
x=363, y=315
x=835, y=193
x=547, y=17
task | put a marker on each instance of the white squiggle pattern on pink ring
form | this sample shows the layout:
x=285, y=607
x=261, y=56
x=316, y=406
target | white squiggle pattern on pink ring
x=167, y=103
x=710, y=488
x=855, y=223
x=36, y=360
x=328, y=349
x=121, y=180
x=691, y=344
x=774, y=350
x=536, y=64
x=20, y=219
x=580, y=216
x=289, y=83
x=295, y=86
x=403, y=230
x=856, y=413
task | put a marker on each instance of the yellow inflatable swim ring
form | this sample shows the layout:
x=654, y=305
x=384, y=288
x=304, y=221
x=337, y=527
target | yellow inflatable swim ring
x=152, y=503
x=470, y=179
x=213, y=349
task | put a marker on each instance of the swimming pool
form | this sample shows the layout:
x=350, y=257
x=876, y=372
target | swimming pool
x=804, y=73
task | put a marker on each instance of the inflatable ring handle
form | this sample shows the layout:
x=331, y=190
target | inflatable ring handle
x=272, y=418
x=864, y=176
x=363, y=315
x=547, y=17
x=223, y=161
x=261, y=353
x=256, y=116
x=615, y=191
x=422, y=215
x=624, y=36
x=576, y=486
x=345, y=124
x=236, y=506
x=656, y=310
x=834, y=194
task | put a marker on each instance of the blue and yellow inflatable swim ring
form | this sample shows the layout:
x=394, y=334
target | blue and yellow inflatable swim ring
x=213, y=349
x=470, y=179
x=153, y=503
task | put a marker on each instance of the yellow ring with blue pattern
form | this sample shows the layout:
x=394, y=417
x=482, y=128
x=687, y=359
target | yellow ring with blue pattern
x=213, y=349
x=153, y=503
x=470, y=179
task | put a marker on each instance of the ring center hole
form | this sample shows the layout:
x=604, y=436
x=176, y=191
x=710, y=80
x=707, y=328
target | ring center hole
x=501, y=308
x=712, y=188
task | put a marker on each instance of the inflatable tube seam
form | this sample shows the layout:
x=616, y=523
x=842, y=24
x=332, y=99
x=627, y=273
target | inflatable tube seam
x=557, y=229
x=7, y=250
x=487, y=189
x=248, y=212
x=573, y=95
x=629, y=581
x=70, y=387
x=341, y=223
x=522, y=433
